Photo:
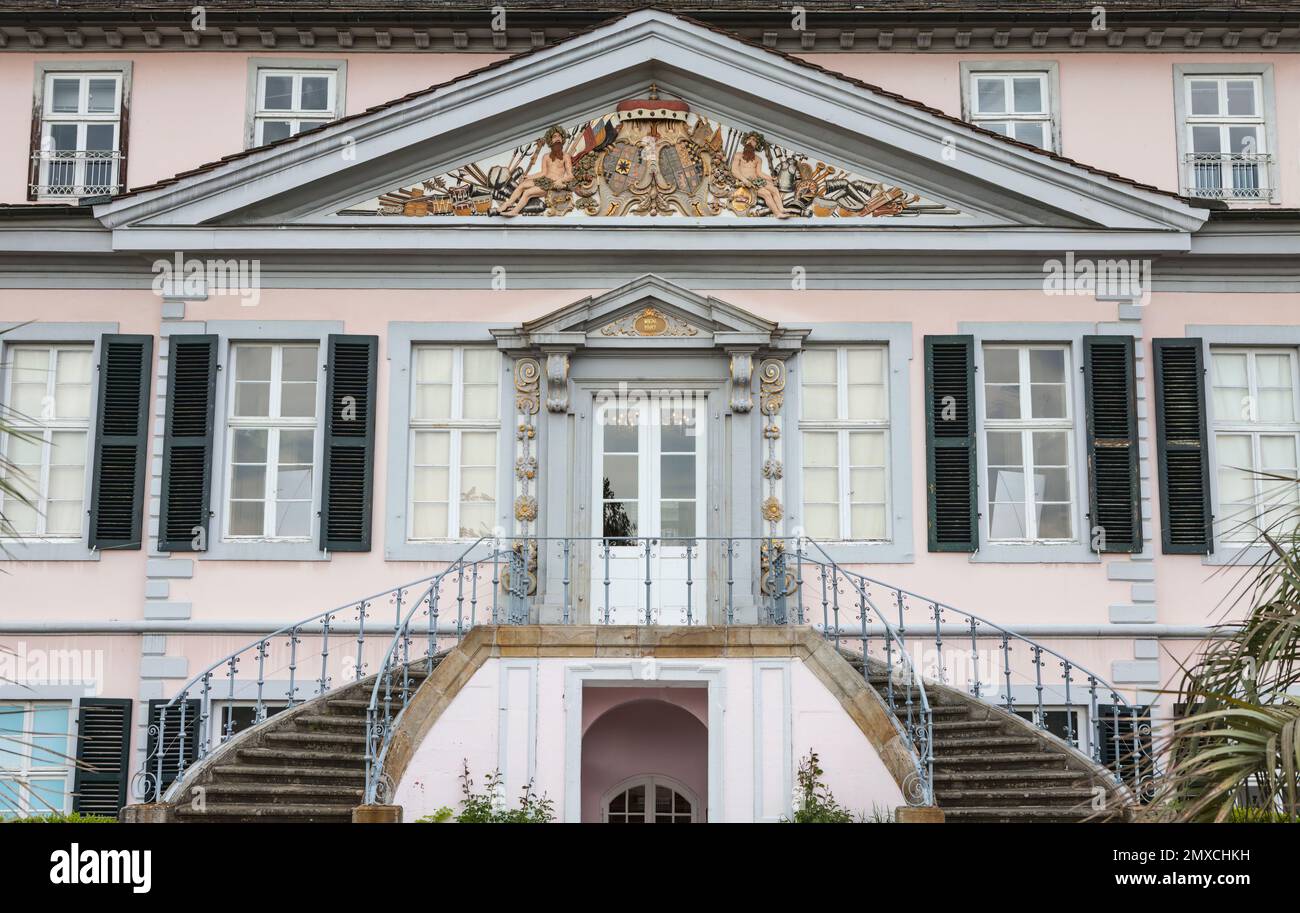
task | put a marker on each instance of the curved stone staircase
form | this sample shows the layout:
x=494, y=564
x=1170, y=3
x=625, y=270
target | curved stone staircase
x=993, y=766
x=303, y=765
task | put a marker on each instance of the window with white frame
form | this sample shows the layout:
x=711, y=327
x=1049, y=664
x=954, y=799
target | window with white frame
x=80, y=140
x=1225, y=153
x=291, y=101
x=272, y=440
x=47, y=404
x=34, y=757
x=455, y=417
x=1256, y=440
x=1016, y=104
x=844, y=428
x=1028, y=437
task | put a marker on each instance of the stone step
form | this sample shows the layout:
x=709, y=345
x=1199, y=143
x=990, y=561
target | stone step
x=278, y=793
x=333, y=740
x=290, y=774
x=330, y=722
x=1012, y=774
x=306, y=813
x=995, y=743
x=1024, y=814
x=289, y=757
x=957, y=727
x=1029, y=759
x=1069, y=796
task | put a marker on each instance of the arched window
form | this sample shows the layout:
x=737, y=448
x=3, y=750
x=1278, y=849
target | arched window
x=651, y=799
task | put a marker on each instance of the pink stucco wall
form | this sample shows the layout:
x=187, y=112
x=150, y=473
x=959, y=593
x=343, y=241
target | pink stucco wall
x=1187, y=591
x=797, y=714
x=1117, y=110
x=190, y=108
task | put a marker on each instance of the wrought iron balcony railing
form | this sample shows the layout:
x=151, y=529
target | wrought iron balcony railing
x=1228, y=175
x=76, y=173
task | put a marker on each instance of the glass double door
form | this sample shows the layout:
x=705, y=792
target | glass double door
x=649, y=465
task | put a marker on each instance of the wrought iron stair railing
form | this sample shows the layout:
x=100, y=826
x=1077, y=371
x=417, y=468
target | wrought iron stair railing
x=498, y=581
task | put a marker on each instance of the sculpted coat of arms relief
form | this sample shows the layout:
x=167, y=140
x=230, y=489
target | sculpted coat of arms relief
x=651, y=157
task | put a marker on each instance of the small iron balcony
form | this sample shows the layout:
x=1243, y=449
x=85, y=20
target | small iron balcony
x=1228, y=175
x=74, y=173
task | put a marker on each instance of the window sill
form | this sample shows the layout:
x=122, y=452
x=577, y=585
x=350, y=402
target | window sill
x=19, y=550
x=433, y=550
x=1035, y=553
x=861, y=553
x=1228, y=554
x=263, y=550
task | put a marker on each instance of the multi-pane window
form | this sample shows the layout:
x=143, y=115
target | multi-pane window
x=1225, y=137
x=291, y=101
x=272, y=440
x=34, y=757
x=1028, y=439
x=1256, y=439
x=844, y=423
x=81, y=116
x=455, y=416
x=1014, y=104
x=48, y=406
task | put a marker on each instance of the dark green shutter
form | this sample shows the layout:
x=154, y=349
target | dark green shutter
x=950, y=443
x=187, y=442
x=103, y=755
x=1185, y=512
x=117, y=494
x=179, y=742
x=350, y=371
x=1114, y=491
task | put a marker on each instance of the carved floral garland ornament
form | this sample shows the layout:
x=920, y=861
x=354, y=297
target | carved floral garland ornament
x=528, y=377
x=771, y=398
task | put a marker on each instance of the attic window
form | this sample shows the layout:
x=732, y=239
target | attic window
x=1016, y=104
x=289, y=101
x=80, y=137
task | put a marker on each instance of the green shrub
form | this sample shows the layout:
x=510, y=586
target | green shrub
x=815, y=804
x=486, y=807
x=58, y=818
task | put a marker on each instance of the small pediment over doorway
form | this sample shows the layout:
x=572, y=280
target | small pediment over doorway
x=650, y=312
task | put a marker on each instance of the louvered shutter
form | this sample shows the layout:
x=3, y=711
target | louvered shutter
x=103, y=755
x=950, y=443
x=187, y=442
x=179, y=742
x=117, y=493
x=1114, y=492
x=349, y=443
x=1185, y=512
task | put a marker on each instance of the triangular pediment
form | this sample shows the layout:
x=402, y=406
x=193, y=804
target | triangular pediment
x=650, y=311
x=849, y=160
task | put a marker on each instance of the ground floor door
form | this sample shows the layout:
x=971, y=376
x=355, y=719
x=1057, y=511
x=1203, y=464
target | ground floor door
x=647, y=561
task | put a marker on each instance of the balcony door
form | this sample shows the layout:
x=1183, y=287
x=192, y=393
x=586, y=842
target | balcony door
x=649, y=461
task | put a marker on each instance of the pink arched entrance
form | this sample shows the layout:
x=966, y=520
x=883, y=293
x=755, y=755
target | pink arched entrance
x=635, y=731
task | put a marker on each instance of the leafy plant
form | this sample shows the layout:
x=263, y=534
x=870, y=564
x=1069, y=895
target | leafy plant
x=57, y=818
x=1234, y=751
x=487, y=807
x=814, y=802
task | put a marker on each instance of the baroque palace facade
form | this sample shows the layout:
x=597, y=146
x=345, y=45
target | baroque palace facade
x=600, y=387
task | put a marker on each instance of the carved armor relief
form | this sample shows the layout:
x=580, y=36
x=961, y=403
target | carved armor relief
x=651, y=157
